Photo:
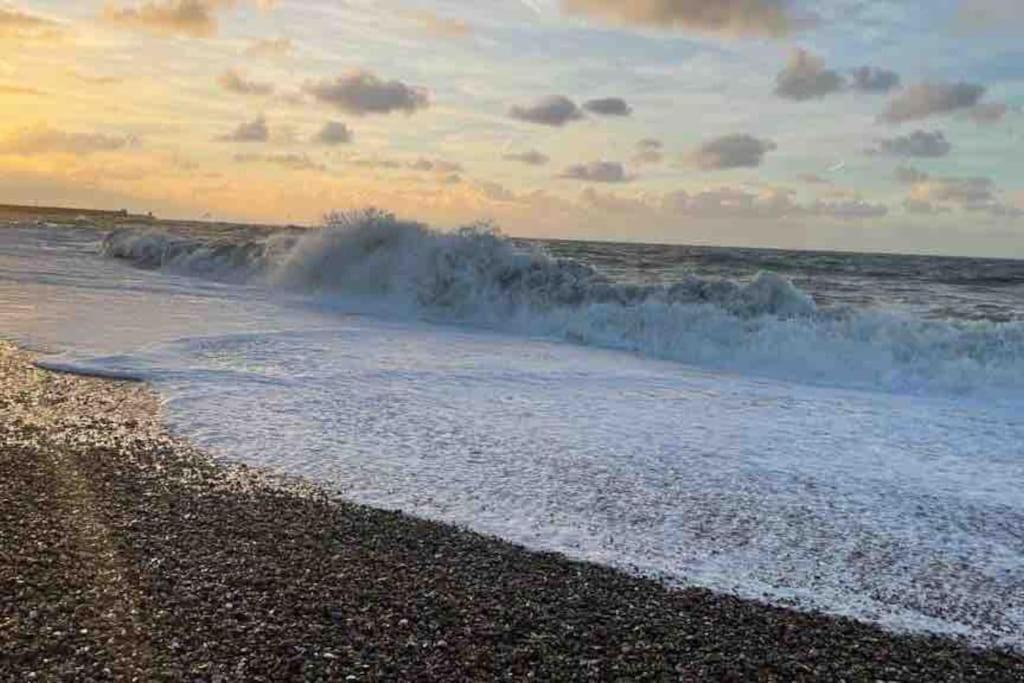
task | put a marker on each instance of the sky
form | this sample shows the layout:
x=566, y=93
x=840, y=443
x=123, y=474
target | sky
x=865, y=125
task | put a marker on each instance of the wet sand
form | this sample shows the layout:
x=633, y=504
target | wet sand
x=128, y=554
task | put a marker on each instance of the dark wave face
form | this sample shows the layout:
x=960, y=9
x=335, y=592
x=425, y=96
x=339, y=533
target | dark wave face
x=933, y=287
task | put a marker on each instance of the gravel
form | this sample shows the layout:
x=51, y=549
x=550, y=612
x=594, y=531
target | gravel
x=126, y=554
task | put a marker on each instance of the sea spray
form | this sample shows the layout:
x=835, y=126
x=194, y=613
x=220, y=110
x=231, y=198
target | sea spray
x=376, y=263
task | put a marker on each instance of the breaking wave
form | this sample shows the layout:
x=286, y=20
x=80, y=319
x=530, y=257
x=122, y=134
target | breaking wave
x=767, y=327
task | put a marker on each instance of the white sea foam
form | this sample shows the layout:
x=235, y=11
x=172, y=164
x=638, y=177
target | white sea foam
x=765, y=327
x=896, y=508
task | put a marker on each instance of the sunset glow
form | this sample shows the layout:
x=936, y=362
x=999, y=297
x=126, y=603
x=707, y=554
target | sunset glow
x=850, y=125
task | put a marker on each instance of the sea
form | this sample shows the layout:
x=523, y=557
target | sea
x=829, y=431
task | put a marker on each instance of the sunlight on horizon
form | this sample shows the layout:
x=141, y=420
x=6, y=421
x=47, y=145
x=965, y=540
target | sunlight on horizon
x=835, y=125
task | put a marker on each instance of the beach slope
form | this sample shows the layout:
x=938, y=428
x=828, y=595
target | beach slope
x=125, y=553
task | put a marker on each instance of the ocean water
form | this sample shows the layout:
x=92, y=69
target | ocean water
x=833, y=431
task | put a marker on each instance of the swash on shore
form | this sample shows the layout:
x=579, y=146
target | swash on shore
x=127, y=554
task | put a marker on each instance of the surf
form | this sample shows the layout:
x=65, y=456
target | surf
x=372, y=262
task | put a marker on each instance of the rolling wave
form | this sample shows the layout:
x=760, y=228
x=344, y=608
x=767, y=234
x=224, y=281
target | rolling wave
x=766, y=327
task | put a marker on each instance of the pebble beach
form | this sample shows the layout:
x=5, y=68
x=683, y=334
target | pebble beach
x=128, y=554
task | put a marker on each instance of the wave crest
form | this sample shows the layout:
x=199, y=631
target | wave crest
x=474, y=275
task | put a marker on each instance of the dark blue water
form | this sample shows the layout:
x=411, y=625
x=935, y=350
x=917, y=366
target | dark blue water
x=934, y=287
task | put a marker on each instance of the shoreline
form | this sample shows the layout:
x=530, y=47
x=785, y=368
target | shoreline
x=128, y=553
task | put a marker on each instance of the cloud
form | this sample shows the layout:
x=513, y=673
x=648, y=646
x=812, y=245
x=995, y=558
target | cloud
x=976, y=194
x=988, y=113
x=874, y=79
x=597, y=172
x=270, y=48
x=333, y=133
x=963, y=191
x=608, y=202
x=295, y=162
x=234, y=81
x=731, y=151
x=361, y=92
x=13, y=19
x=998, y=210
x=435, y=165
x=908, y=175
x=649, y=151
x=194, y=18
x=928, y=99
x=531, y=158
x=440, y=171
x=917, y=144
x=495, y=191
x=729, y=202
x=293, y=98
x=437, y=26
x=834, y=192
x=17, y=24
x=988, y=13
x=849, y=209
x=21, y=90
x=46, y=140
x=813, y=179
x=376, y=163
x=554, y=110
x=805, y=77
x=94, y=79
x=249, y=131
x=731, y=18
x=734, y=203
x=191, y=18
x=918, y=206
x=608, y=106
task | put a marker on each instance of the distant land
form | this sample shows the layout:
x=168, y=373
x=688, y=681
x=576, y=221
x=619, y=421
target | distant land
x=22, y=211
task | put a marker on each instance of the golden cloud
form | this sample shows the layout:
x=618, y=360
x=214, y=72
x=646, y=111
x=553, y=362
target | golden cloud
x=18, y=25
x=734, y=18
x=191, y=18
